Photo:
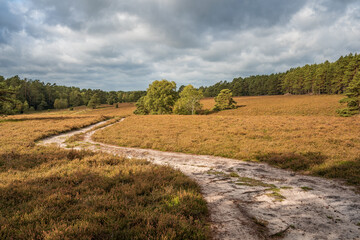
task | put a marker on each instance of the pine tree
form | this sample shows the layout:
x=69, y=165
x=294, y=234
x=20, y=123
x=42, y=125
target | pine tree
x=353, y=98
x=224, y=100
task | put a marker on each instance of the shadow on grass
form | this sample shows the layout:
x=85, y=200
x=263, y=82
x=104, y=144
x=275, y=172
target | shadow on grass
x=212, y=111
x=314, y=163
x=293, y=161
x=153, y=203
x=40, y=118
x=25, y=160
x=347, y=170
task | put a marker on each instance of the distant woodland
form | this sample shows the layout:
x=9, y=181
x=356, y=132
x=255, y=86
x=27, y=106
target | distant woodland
x=31, y=95
x=324, y=78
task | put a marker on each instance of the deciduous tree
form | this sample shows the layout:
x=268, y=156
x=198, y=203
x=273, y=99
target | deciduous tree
x=189, y=101
x=159, y=99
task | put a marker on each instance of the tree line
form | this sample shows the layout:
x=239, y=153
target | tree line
x=25, y=95
x=162, y=98
x=339, y=77
x=324, y=78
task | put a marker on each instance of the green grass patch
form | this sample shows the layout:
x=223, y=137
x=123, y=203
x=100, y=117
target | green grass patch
x=276, y=195
x=252, y=182
x=307, y=189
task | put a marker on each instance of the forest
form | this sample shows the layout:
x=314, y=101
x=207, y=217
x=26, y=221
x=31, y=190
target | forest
x=31, y=95
x=324, y=78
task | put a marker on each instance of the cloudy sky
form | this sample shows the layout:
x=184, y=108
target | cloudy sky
x=125, y=45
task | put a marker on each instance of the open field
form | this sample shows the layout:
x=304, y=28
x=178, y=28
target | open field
x=300, y=133
x=250, y=200
x=293, y=105
x=49, y=193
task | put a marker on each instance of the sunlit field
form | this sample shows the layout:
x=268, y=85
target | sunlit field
x=50, y=193
x=301, y=133
x=293, y=105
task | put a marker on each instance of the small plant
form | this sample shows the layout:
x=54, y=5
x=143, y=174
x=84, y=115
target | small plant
x=275, y=194
x=260, y=222
x=307, y=189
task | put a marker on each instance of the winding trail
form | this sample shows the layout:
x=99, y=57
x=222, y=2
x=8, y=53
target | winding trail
x=253, y=200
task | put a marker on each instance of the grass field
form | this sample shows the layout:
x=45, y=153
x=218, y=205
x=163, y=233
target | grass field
x=293, y=105
x=301, y=133
x=49, y=193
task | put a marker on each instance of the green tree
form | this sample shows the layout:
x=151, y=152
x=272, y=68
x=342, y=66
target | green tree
x=25, y=107
x=353, y=98
x=94, y=101
x=6, y=94
x=8, y=101
x=140, y=107
x=224, y=100
x=189, y=101
x=75, y=98
x=110, y=100
x=159, y=99
x=42, y=105
x=61, y=103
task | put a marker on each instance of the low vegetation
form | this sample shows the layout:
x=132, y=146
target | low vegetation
x=49, y=193
x=301, y=133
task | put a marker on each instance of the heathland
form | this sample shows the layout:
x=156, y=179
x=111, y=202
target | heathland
x=301, y=133
x=324, y=78
x=49, y=193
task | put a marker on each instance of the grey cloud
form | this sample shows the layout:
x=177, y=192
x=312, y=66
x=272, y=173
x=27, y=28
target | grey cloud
x=127, y=44
x=9, y=22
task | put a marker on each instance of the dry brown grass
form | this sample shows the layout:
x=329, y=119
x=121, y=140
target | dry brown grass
x=49, y=193
x=316, y=143
x=295, y=105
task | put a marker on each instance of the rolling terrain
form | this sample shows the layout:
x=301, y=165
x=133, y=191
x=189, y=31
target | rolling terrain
x=301, y=133
x=50, y=193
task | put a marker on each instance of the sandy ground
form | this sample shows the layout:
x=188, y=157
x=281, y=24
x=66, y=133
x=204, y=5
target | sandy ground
x=253, y=200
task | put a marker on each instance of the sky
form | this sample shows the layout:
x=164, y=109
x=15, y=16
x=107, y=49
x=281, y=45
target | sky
x=125, y=45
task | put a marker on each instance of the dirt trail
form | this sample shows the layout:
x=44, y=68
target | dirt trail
x=253, y=200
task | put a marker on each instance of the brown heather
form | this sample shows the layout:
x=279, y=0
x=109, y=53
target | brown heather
x=301, y=133
x=50, y=193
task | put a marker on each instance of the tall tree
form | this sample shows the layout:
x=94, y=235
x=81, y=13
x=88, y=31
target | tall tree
x=353, y=98
x=94, y=101
x=189, y=101
x=159, y=99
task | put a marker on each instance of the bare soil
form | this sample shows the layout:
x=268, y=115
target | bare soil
x=250, y=200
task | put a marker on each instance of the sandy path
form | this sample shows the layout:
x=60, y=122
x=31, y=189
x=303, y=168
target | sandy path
x=252, y=200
